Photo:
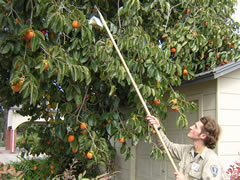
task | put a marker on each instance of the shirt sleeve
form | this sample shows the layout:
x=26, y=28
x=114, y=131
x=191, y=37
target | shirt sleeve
x=175, y=150
x=213, y=171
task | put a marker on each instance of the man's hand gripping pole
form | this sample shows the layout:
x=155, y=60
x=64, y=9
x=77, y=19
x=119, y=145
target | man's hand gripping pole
x=137, y=90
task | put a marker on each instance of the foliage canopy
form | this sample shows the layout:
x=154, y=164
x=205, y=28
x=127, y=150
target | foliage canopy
x=69, y=75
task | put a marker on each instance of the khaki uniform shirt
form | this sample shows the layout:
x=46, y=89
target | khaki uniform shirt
x=204, y=166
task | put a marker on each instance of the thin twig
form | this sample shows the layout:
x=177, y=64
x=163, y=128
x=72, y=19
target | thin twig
x=94, y=144
x=55, y=57
x=119, y=20
x=31, y=14
x=2, y=99
x=20, y=19
x=25, y=52
x=66, y=35
x=169, y=13
x=64, y=7
x=171, y=88
x=83, y=103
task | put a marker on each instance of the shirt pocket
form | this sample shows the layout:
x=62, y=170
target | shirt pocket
x=195, y=175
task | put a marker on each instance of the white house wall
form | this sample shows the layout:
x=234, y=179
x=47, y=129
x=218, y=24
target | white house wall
x=148, y=169
x=229, y=117
x=124, y=167
x=15, y=119
x=208, y=92
x=204, y=94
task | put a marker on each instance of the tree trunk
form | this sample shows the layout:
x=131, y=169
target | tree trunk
x=5, y=116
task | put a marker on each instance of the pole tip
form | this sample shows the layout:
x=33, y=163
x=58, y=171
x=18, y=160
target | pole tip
x=95, y=7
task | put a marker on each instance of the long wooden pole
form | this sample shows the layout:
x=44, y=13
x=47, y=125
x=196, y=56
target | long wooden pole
x=137, y=90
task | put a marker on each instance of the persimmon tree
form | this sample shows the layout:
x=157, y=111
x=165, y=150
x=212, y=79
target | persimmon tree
x=57, y=66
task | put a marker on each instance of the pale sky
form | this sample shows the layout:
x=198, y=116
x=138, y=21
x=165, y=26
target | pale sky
x=236, y=16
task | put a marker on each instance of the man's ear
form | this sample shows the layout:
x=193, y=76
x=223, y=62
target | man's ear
x=203, y=136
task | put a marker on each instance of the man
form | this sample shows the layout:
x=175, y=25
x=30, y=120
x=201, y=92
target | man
x=197, y=161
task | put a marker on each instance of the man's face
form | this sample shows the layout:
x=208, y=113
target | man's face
x=195, y=131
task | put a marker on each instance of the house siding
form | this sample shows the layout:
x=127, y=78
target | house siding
x=122, y=166
x=204, y=94
x=228, y=117
x=219, y=99
x=148, y=169
x=208, y=92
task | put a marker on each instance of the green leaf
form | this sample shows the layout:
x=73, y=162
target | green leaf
x=84, y=60
x=10, y=24
x=33, y=94
x=62, y=22
x=84, y=33
x=69, y=94
x=1, y=17
x=121, y=11
x=181, y=39
x=194, y=48
x=190, y=37
x=74, y=44
x=148, y=91
x=138, y=5
x=35, y=44
x=78, y=99
x=90, y=36
x=68, y=107
x=62, y=70
x=51, y=18
x=167, y=6
x=55, y=24
x=40, y=34
x=109, y=129
x=74, y=73
x=3, y=3
x=158, y=76
x=167, y=54
x=219, y=43
x=187, y=28
x=178, y=48
x=132, y=3
x=113, y=89
x=17, y=47
x=123, y=149
x=26, y=89
x=61, y=131
x=77, y=89
x=151, y=71
x=190, y=20
x=87, y=75
x=179, y=69
x=6, y=48
x=183, y=44
x=68, y=26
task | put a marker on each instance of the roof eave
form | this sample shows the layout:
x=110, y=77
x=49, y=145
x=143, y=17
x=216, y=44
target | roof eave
x=213, y=74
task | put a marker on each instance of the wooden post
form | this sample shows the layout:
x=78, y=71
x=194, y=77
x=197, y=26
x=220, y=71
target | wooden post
x=7, y=140
x=12, y=140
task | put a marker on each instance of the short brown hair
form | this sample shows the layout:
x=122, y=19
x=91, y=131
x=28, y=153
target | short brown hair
x=212, y=130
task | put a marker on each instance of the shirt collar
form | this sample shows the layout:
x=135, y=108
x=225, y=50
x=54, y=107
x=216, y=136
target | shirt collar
x=202, y=154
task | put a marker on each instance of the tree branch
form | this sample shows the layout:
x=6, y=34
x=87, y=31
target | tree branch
x=119, y=20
